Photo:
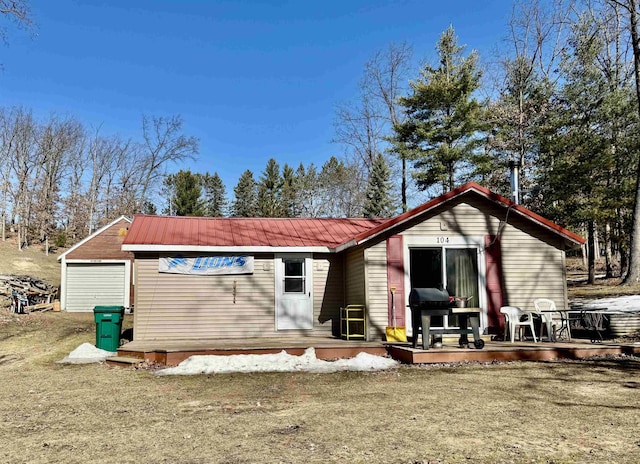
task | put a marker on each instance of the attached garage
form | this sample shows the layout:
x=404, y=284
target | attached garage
x=96, y=271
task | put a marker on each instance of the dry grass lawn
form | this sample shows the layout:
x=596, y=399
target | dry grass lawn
x=553, y=412
x=31, y=261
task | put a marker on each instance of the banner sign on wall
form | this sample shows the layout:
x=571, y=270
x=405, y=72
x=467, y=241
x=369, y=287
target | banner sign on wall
x=207, y=265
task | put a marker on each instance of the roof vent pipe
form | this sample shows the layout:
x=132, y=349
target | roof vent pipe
x=514, y=166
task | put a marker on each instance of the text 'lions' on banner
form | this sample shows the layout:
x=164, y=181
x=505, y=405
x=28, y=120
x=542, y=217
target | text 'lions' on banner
x=207, y=265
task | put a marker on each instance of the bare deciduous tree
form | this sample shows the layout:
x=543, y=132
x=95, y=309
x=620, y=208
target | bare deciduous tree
x=163, y=143
x=75, y=214
x=359, y=126
x=129, y=182
x=18, y=12
x=308, y=202
x=24, y=161
x=538, y=32
x=341, y=189
x=7, y=135
x=386, y=79
x=109, y=157
x=55, y=142
x=364, y=127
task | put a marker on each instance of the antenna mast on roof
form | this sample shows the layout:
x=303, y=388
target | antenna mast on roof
x=514, y=166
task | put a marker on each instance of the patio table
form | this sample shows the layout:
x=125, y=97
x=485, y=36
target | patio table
x=564, y=330
x=592, y=320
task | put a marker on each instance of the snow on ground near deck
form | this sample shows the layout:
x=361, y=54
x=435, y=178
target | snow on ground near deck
x=283, y=362
x=280, y=362
x=87, y=353
x=626, y=303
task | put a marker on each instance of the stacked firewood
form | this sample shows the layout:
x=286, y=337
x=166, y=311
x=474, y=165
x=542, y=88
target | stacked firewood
x=27, y=294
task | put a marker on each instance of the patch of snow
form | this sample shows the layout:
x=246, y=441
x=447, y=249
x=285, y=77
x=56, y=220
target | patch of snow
x=627, y=303
x=280, y=362
x=87, y=353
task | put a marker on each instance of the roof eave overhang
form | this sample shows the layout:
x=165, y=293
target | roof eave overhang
x=223, y=249
x=344, y=246
x=570, y=239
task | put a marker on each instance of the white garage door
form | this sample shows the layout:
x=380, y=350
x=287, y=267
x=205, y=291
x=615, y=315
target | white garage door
x=90, y=285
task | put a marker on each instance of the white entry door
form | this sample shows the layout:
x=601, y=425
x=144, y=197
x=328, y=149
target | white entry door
x=294, y=283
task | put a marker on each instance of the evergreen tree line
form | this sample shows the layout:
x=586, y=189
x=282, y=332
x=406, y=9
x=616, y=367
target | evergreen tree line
x=333, y=191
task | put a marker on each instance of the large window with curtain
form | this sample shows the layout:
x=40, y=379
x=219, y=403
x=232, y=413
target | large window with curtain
x=453, y=268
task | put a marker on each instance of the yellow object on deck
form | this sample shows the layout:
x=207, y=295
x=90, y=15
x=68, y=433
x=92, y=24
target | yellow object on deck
x=353, y=322
x=396, y=334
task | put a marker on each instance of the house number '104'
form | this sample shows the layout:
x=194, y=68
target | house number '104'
x=441, y=240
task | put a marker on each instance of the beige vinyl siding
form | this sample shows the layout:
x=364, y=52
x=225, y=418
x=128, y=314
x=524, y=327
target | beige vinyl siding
x=182, y=307
x=376, y=290
x=354, y=277
x=174, y=307
x=532, y=269
x=532, y=258
x=328, y=294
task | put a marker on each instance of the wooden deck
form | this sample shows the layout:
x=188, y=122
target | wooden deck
x=171, y=353
x=506, y=351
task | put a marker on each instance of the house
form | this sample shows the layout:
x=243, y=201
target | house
x=224, y=278
x=96, y=271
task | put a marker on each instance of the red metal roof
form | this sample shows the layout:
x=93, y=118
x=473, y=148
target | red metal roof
x=233, y=232
x=301, y=232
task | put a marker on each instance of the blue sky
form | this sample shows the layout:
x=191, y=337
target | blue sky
x=252, y=79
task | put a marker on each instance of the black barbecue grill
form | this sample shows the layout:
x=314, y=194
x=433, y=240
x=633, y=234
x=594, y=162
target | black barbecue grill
x=427, y=302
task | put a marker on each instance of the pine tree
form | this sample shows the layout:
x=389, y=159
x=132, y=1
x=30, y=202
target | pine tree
x=246, y=199
x=215, y=195
x=270, y=191
x=519, y=121
x=289, y=194
x=578, y=169
x=185, y=194
x=149, y=208
x=309, y=202
x=378, y=202
x=443, y=117
x=341, y=189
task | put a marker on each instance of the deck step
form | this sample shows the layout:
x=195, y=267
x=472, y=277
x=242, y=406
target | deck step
x=123, y=361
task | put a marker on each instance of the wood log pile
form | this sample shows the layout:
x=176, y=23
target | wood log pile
x=27, y=293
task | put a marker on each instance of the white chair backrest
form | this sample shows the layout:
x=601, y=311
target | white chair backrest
x=514, y=317
x=544, y=304
x=512, y=312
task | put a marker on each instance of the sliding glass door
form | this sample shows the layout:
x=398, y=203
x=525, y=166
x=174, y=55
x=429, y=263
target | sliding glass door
x=452, y=268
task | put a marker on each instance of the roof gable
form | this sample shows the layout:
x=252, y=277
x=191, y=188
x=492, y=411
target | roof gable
x=89, y=237
x=470, y=188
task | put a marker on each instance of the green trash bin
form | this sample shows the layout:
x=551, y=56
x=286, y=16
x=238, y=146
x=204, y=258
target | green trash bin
x=108, y=326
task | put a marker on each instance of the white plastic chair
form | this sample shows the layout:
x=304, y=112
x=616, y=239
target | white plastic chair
x=516, y=317
x=547, y=317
